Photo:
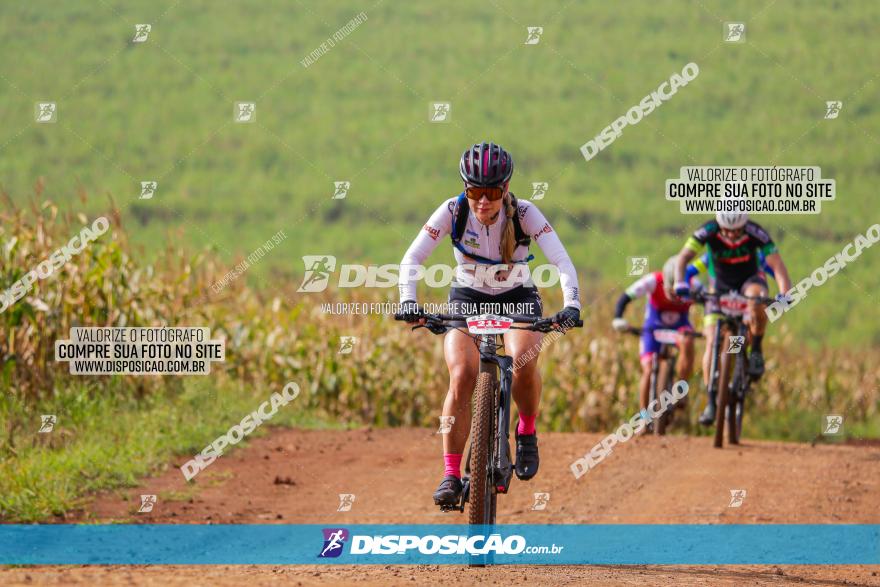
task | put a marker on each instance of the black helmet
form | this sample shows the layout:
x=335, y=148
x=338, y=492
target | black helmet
x=486, y=165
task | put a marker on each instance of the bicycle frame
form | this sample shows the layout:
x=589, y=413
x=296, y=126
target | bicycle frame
x=502, y=467
x=500, y=471
x=730, y=397
x=720, y=364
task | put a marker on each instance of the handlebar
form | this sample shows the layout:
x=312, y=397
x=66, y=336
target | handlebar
x=535, y=324
x=639, y=331
x=700, y=297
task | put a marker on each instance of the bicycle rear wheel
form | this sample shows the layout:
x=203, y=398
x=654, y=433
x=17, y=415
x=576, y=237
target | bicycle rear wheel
x=482, y=486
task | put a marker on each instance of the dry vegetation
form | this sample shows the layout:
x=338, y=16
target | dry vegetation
x=393, y=377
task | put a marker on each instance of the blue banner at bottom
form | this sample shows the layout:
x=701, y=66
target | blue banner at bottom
x=277, y=544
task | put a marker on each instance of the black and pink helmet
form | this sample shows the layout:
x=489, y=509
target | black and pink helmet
x=486, y=165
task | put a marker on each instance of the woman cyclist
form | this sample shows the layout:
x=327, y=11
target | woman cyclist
x=494, y=233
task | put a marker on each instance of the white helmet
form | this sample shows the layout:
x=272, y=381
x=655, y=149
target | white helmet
x=732, y=220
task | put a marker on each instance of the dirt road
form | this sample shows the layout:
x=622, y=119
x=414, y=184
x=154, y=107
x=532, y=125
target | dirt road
x=295, y=477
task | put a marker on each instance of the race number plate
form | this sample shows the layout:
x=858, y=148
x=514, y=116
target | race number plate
x=666, y=336
x=488, y=324
x=733, y=304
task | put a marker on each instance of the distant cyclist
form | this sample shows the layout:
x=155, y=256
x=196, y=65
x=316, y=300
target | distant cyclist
x=663, y=311
x=489, y=226
x=734, y=245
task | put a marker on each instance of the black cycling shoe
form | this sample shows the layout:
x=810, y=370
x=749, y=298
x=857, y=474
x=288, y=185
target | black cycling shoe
x=756, y=365
x=449, y=492
x=707, y=418
x=526, y=456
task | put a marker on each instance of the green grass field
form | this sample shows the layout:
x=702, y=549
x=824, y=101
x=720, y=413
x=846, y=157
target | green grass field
x=108, y=438
x=163, y=110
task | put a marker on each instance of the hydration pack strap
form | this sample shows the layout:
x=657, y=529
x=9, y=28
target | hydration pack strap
x=459, y=223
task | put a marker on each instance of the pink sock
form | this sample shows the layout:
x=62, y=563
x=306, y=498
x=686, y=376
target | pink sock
x=526, y=424
x=453, y=465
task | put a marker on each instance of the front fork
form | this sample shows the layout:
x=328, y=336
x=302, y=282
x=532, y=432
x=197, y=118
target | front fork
x=490, y=359
x=715, y=364
x=740, y=367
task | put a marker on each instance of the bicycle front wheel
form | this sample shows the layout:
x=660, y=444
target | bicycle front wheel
x=482, y=492
x=735, y=407
x=718, y=385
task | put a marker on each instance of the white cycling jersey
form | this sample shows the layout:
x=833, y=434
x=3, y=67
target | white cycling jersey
x=485, y=240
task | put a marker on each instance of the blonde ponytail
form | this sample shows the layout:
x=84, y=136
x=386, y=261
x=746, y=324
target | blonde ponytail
x=508, y=235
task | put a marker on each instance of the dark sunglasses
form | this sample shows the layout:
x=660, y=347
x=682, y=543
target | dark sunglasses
x=493, y=194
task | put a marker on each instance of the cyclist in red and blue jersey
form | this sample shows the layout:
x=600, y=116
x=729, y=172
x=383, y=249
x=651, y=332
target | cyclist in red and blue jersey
x=663, y=311
x=735, y=245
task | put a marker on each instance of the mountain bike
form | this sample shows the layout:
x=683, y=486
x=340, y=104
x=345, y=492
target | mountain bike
x=731, y=398
x=488, y=468
x=663, y=369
